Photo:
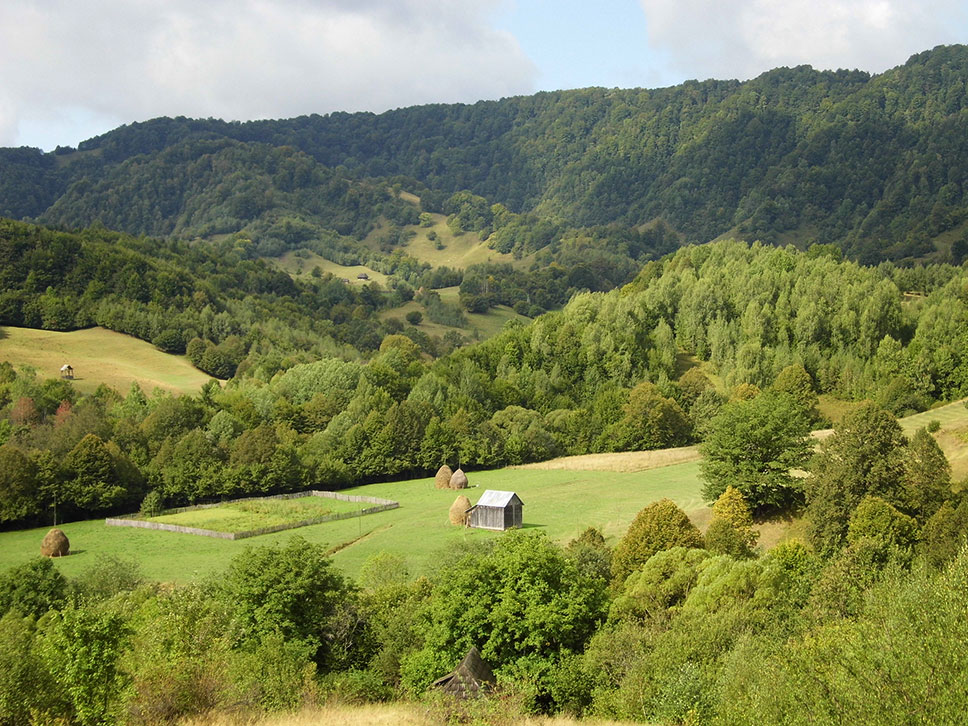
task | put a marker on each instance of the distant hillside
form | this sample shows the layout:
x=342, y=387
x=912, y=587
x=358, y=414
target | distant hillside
x=875, y=164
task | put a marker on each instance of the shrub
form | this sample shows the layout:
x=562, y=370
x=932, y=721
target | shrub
x=731, y=530
x=660, y=526
x=153, y=504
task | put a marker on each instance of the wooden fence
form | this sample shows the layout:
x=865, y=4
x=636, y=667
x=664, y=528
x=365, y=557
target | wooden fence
x=380, y=505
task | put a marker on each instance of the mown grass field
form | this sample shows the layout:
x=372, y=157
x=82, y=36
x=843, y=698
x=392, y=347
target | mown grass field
x=249, y=514
x=560, y=502
x=100, y=356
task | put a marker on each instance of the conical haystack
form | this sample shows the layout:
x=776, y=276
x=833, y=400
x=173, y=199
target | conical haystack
x=55, y=544
x=442, y=480
x=458, y=510
x=458, y=480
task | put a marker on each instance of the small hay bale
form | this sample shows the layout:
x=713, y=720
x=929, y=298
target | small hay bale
x=458, y=510
x=442, y=480
x=458, y=480
x=55, y=544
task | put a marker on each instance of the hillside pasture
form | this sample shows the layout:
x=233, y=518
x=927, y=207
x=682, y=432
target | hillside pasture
x=457, y=251
x=100, y=356
x=560, y=502
x=302, y=264
x=479, y=325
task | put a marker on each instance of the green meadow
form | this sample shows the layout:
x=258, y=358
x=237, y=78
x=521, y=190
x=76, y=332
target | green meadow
x=559, y=502
x=100, y=356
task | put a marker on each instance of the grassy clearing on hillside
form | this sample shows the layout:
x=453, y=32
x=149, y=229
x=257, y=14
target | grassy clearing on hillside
x=624, y=461
x=100, y=356
x=479, y=325
x=250, y=514
x=458, y=252
x=395, y=714
x=302, y=265
x=561, y=503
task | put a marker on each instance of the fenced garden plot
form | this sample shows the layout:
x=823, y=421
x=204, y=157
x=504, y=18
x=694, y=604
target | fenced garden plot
x=242, y=518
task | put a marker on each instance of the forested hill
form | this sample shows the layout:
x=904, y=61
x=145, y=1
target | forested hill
x=875, y=164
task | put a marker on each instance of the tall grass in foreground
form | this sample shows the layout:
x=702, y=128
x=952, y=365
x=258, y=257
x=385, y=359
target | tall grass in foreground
x=394, y=715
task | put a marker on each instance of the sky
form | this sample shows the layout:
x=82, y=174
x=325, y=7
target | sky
x=72, y=69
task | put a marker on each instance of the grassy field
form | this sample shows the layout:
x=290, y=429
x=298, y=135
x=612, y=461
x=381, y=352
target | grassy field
x=560, y=502
x=100, y=356
x=249, y=514
x=479, y=325
x=302, y=265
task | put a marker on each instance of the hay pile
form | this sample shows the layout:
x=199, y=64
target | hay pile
x=55, y=544
x=458, y=480
x=458, y=510
x=442, y=480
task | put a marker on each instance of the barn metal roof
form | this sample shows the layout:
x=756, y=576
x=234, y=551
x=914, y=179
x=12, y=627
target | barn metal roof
x=496, y=498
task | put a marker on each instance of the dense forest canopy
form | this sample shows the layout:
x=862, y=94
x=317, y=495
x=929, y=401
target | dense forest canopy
x=874, y=164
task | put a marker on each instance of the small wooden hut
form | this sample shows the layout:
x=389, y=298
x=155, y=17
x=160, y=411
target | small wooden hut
x=362, y=276
x=496, y=510
x=471, y=676
x=67, y=371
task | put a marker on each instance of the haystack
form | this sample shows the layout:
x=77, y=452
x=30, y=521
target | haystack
x=442, y=480
x=458, y=510
x=55, y=544
x=458, y=480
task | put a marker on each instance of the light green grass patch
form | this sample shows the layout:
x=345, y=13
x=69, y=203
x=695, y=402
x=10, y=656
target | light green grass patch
x=100, y=356
x=251, y=514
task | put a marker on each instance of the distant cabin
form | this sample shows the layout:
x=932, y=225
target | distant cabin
x=67, y=371
x=496, y=510
x=362, y=276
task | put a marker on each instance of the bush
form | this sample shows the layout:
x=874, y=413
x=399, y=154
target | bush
x=660, y=526
x=32, y=588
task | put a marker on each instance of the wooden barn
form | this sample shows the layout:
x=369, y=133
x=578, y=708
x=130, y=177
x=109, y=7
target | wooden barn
x=471, y=676
x=496, y=510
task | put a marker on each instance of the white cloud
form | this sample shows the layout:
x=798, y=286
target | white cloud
x=243, y=59
x=743, y=38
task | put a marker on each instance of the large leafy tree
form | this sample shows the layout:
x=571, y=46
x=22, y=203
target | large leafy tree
x=753, y=444
x=659, y=526
x=523, y=603
x=864, y=456
x=19, y=497
x=291, y=589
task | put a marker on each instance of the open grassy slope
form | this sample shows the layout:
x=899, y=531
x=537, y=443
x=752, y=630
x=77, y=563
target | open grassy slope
x=456, y=251
x=100, y=356
x=302, y=265
x=560, y=502
x=479, y=325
